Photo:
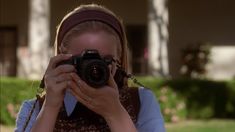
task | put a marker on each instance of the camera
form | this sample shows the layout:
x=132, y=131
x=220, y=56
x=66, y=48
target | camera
x=91, y=67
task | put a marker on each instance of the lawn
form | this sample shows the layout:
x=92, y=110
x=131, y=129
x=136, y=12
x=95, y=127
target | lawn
x=6, y=128
x=186, y=126
x=202, y=126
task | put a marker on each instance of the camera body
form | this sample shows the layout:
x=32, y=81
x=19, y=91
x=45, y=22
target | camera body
x=91, y=68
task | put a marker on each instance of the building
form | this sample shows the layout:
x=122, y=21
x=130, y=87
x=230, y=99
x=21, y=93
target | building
x=157, y=31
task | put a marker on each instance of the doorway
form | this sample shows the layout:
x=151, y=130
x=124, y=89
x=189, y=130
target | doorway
x=8, y=46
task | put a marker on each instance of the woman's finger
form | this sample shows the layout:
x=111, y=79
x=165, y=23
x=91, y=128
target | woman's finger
x=90, y=91
x=111, y=82
x=77, y=91
x=59, y=86
x=63, y=85
x=56, y=59
x=63, y=77
x=66, y=68
x=83, y=101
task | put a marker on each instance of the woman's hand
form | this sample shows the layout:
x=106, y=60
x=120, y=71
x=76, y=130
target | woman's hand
x=56, y=80
x=105, y=102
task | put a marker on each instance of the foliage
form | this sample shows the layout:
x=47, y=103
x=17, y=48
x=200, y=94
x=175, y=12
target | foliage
x=203, y=99
x=172, y=105
x=194, y=60
x=179, y=99
x=12, y=93
x=206, y=98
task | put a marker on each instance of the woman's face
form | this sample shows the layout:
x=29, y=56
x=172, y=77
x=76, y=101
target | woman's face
x=105, y=43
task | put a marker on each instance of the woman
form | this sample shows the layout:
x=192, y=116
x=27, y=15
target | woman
x=71, y=103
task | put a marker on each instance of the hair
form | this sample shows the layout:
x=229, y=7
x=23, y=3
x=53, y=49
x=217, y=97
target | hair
x=93, y=26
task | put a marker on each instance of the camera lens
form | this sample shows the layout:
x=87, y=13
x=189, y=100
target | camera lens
x=95, y=73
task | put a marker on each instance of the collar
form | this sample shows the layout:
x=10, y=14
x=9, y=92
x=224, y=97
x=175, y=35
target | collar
x=70, y=102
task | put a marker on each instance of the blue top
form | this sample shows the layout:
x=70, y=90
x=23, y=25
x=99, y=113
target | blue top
x=149, y=119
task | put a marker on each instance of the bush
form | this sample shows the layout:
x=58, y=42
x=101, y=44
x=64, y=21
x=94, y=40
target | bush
x=179, y=99
x=203, y=99
x=172, y=105
x=206, y=98
x=13, y=92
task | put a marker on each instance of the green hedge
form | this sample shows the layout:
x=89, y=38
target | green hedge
x=179, y=99
x=197, y=99
x=12, y=93
x=205, y=98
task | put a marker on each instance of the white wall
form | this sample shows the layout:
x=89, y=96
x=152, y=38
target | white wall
x=222, y=64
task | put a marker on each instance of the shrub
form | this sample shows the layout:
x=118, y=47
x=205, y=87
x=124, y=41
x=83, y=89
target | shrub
x=203, y=98
x=206, y=98
x=195, y=57
x=13, y=92
x=179, y=99
x=172, y=105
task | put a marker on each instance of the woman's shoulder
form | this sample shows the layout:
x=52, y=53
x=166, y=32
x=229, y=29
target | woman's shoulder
x=150, y=117
x=28, y=111
x=142, y=94
x=143, y=90
x=148, y=100
x=28, y=105
x=146, y=94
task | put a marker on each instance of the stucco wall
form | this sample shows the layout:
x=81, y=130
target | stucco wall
x=191, y=21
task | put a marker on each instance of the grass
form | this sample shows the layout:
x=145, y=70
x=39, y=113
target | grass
x=202, y=126
x=185, y=126
x=6, y=128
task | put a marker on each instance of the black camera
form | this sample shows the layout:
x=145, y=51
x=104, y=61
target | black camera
x=91, y=67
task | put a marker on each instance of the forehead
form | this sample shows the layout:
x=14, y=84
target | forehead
x=105, y=43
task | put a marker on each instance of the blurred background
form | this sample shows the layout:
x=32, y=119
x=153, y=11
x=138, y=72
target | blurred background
x=184, y=50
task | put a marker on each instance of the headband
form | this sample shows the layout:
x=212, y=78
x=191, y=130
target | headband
x=89, y=15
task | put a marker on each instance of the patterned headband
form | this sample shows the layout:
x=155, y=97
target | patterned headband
x=89, y=15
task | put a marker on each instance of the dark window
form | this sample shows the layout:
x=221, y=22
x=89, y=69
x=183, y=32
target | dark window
x=136, y=35
x=8, y=45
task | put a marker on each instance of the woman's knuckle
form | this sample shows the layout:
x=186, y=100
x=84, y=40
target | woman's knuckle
x=68, y=76
x=52, y=59
x=49, y=85
x=60, y=69
x=47, y=76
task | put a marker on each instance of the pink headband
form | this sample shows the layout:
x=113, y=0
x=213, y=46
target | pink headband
x=89, y=15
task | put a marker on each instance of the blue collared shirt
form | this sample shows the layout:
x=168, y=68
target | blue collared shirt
x=149, y=119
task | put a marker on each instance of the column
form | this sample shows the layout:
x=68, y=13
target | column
x=39, y=33
x=158, y=37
